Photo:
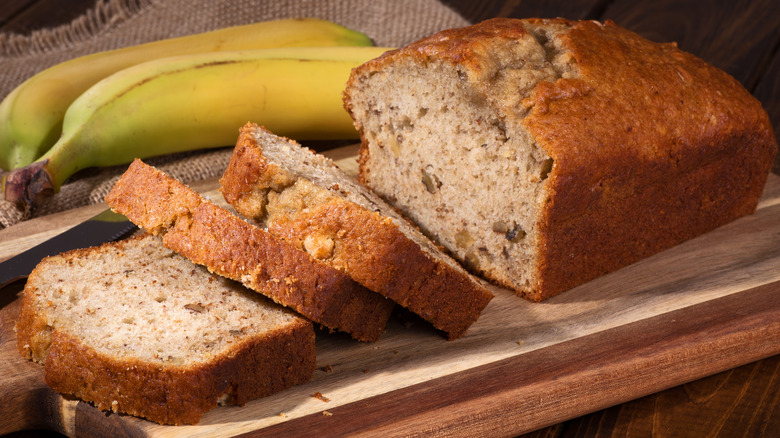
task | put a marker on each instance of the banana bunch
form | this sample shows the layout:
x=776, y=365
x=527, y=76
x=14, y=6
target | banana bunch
x=193, y=102
x=31, y=115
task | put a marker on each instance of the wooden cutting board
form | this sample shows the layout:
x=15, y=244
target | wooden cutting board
x=705, y=306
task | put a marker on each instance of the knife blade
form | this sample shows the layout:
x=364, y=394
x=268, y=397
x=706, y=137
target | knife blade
x=106, y=226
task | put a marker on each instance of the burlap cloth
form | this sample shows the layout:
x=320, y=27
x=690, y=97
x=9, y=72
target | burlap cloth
x=118, y=23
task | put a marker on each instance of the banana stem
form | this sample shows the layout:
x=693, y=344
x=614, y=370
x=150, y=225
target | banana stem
x=28, y=186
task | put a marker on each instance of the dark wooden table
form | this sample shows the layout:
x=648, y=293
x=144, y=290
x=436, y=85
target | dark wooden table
x=741, y=37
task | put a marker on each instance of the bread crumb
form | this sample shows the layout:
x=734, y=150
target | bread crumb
x=319, y=246
x=282, y=414
x=327, y=414
x=319, y=396
x=520, y=342
x=327, y=368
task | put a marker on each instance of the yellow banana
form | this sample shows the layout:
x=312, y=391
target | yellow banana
x=31, y=115
x=194, y=102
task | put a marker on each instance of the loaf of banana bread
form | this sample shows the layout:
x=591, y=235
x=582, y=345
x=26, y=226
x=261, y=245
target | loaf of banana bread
x=543, y=153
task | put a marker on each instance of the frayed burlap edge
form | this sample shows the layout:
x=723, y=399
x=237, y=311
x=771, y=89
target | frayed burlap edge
x=96, y=20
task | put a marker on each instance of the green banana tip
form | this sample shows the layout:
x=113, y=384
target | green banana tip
x=27, y=187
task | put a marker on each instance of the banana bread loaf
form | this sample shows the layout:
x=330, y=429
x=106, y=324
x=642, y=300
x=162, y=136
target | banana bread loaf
x=545, y=152
x=229, y=246
x=135, y=328
x=305, y=199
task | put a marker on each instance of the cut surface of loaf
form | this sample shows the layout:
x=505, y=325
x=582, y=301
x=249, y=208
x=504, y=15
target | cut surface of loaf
x=214, y=237
x=304, y=198
x=135, y=328
x=545, y=153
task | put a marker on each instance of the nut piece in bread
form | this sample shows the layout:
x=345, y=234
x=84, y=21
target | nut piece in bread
x=305, y=199
x=544, y=153
x=214, y=237
x=135, y=328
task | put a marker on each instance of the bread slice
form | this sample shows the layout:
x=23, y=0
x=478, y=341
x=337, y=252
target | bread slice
x=545, y=152
x=135, y=328
x=305, y=199
x=229, y=246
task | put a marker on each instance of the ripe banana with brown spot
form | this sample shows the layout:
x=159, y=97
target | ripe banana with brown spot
x=195, y=102
x=31, y=115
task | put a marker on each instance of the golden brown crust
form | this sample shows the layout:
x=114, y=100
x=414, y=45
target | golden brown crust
x=373, y=251
x=697, y=158
x=465, y=46
x=366, y=245
x=176, y=394
x=651, y=145
x=33, y=334
x=213, y=237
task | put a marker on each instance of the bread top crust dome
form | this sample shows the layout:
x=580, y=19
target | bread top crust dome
x=638, y=102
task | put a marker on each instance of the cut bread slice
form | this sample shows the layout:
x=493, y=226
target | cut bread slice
x=135, y=328
x=232, y=247
x=305, y=199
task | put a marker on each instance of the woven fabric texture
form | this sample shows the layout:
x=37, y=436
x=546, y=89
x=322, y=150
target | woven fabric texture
x=118, y=23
